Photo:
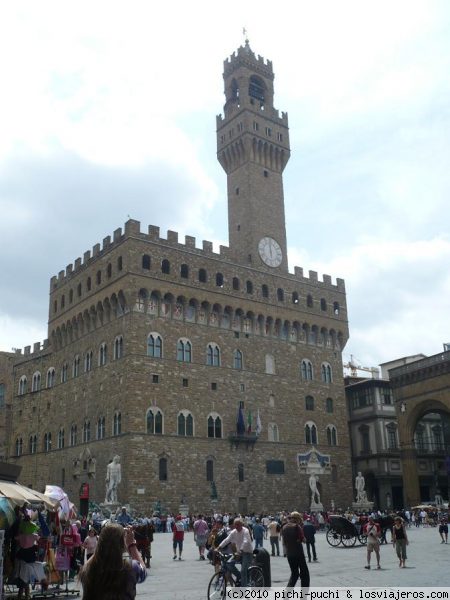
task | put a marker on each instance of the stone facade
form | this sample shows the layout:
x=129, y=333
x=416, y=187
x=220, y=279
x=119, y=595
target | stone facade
x=155, y=344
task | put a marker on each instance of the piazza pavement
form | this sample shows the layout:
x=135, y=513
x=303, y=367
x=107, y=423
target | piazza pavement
x=428, y=565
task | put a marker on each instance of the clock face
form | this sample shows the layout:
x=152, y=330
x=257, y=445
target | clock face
x=270, y=252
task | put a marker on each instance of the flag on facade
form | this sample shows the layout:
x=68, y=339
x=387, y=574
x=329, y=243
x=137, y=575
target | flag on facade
x=240, y=423
x=258, y=424
x=249, y=422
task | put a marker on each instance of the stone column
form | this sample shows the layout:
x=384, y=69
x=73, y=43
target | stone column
x=411, y=489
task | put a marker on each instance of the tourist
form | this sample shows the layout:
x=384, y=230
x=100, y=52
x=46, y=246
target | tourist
x=443, y=530
x=372, y=531
x=90, y=543
x=124, y=518
x=310, y=536
x=293, y=537
x=201, y=531
x=178, y=537
x=274, y=536
x=258, y=533
x=400, y=540
x=108, y=574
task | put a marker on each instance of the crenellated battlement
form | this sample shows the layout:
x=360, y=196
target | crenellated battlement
x=38, y=348
x=133, y=229
x=245, y=55
x=274, y=116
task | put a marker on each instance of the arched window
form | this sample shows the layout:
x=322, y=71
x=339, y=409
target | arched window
x=36, y=382
x=326, y=373
x=295, y=299
x=306, y=369
x=209, y=470
x=61, y=438
x=70, y=296
x=109, y=270
x=184, y=271
x=336, y=308
x=436, y=432
x=323, y=304
x=309, y=301
x=154, y=421
x=99, y=277
x=310, y=433
x=162, y=469
x=273, y=434
x=101, y=428
x=331, y=435
x=329, y=405
x=249, y=287
x=119, y=263
x=63, y=301
x=88, y=284
x=154, y=345
x=76, y=366
x=146, y=262
x=32, y=444
x=237, y=359
x=102, y=355
x=202, y=277
x=280, y=295
x=214, y=426
x=165, y=266
x=264, y=291
x=236, y=283
x=88, y=361
x=22, y=385
x=117, y=423
x=118, y=347
x=64, y=372
x=184, y=350
x=219, y=280
x=19, y=446
x=309, y=403
x=256, y=88
x=51, y=373
x=73, y=435
x=47, y=442
x=79, y=290
x=213, y=355
x=185, y=425
x=240, y=472
x=86, y=431
x=270, y=364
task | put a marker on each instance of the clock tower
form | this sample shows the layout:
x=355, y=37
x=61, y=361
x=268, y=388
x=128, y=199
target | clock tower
x=253, y=149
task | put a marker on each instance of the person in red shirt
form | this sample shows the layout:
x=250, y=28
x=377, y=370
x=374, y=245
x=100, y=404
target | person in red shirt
x=178, y=537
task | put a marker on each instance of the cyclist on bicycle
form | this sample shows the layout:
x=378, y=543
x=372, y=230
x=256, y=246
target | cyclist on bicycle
x=240, y=536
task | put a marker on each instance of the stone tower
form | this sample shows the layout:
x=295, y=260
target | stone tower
x=253, y=149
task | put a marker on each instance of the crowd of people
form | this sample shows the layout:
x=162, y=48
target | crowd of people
x=110, y=553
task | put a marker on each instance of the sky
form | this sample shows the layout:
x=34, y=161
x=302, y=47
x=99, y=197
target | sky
x=108, y=112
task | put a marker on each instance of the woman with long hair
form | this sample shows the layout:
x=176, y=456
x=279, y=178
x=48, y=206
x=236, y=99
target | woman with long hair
x=108, y=574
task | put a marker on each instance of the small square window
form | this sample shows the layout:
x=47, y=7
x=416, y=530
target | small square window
x=185, y=382
x=266, y=173
x=247, y=335
x=242, y=387
x=241, y=404
x=214, y=385
x=155, y=378
x=236, y=334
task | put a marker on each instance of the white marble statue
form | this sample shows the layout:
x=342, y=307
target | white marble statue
x=361, y=495
x=313, y=479
x=113, y=478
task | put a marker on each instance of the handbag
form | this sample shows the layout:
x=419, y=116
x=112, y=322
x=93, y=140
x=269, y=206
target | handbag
x=67, y=540
x=62, y=559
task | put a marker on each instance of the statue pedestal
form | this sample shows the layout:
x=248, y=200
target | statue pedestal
x=360, y=507
x=183, y=510
x=109, y=508
x=316, y=507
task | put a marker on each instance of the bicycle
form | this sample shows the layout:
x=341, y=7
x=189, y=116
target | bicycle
x=224, y=577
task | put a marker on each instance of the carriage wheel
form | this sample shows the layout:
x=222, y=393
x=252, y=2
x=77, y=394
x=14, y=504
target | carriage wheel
x=362, y=539
x=333, y=537
x=348, y=540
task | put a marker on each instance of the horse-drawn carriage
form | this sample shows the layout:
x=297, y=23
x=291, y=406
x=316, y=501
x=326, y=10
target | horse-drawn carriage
x=342, y=531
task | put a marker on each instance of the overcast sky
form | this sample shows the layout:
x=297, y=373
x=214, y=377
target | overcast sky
x=108, y=110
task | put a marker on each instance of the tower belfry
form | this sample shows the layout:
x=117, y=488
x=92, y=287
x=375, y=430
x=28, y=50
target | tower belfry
x=253, y=149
